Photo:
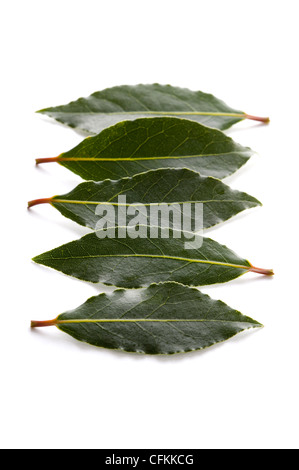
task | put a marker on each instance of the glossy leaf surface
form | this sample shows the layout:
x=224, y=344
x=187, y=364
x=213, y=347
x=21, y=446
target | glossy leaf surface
x=171, y=186
x=132, y=147
x=137, y=262
x=166, y=318
x=107, y=107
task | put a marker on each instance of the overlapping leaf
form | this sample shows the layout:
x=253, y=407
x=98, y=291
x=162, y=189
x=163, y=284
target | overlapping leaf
x=137, y=262
x=133, y=147
x=166, y=318
x=106, y=108
x=168, y=186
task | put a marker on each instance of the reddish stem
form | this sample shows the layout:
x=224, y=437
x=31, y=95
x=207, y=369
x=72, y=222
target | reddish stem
x=46, y=160
x=40, y=324
x=257, y=118
x=266, y=272
x=36, y=202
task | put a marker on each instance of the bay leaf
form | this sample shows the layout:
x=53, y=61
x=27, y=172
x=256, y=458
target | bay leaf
x=124, y=261
x=165, y=318
x=107, y=107
x=166, y=186
x=132, y=147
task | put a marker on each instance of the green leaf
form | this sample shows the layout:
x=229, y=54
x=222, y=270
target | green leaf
x=132, y=147
x=169, y=186
x=106, y=108
x=138, y=262
x=161, y=319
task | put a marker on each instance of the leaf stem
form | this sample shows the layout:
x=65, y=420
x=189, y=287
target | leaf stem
x=257, y=118
x=266, y=272
x=41, y=324
x=46, y=160
x=36, y=202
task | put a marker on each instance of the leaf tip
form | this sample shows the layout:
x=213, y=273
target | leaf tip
x=42, y=111
x=35, y=259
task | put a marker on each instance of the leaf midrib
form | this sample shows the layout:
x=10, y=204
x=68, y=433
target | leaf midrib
x=162, y=113
x=65, y=201
x=176, y=258
x=167, y=157
x=144, y=320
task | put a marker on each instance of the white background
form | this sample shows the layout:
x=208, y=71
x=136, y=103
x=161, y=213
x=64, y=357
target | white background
x=58, y=393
